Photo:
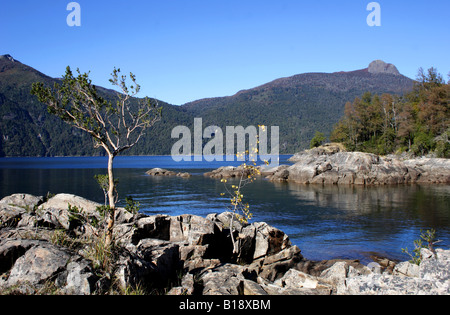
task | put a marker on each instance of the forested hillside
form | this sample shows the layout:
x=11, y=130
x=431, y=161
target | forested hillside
x=27, y=129
x=299, y=105
x=418, y=122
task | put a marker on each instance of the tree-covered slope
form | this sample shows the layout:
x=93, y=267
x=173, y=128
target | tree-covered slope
x=27, y=129
x=299, y=105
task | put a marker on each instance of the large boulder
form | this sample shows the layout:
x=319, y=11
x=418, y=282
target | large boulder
x=194, y=230
x=326, y=149
x=26, y=201
x=17, y=207
x=357, y=168
x=62, y=201
x=229, y=172
x=10, y=215
x=430, y=170
x=159, y=172
x=433, y=278
x=33, y=264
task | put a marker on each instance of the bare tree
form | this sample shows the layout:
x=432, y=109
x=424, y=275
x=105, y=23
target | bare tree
x=114, y=126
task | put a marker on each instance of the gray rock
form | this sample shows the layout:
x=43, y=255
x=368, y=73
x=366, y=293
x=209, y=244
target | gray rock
x=186, y=288
x=162, y=254
x=25, y=201
x=10, y=216
x=157, y=226
x=269, y=240
x=191, y=229
x=326, y=149
x=381, y=67
x=406, y=269
x=162, y=172
x=295, y=282
x=229, y=172
x=153, y=251
x=40, y=263
x=356, y=168
x=61, y=201
x=433, y=278
x=275, y=266
x=250, y=287
x=79, y=279
x=223, y=280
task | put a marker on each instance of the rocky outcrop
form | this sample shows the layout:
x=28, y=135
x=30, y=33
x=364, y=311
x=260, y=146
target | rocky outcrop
x=326, y=149
x=162, y=172
x=50, y=246
x=381, y=67
x=229, y=172
x=330, y=165
x=432, y=277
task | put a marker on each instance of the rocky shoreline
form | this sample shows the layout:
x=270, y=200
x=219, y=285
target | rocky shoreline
x=47, y=245
x=331, y=165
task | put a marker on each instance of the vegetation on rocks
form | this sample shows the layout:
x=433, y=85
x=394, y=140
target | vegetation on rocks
x=45, y=251
x=417, y=122
x=114, y=126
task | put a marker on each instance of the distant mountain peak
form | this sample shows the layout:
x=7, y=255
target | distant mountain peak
x=9, y=57
x=381, y=67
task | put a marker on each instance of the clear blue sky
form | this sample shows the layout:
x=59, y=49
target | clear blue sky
x=184, y=50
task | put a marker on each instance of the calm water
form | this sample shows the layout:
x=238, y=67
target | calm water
x=324, y=222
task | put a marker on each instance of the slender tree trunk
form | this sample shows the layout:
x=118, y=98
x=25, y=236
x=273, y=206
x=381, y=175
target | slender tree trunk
x=112, y=203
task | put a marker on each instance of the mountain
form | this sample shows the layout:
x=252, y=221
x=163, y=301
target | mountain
x=27, y=129
x=299, y=105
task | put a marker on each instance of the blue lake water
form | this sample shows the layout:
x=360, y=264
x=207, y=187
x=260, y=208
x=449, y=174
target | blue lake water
x=325, y=222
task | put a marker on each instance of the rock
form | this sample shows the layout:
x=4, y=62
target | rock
x=326, y=149
x=275, y=266
x=229, y=172
x=223, y=220
x=374, y=267
x=381, y=67
x=277, y=174
x=25, y=201
x=163, y=255
x=157, y=226
x=335, y=275
x=269, y=240
x=11, y=250
x=297, y=280
x=250, y=287
x=55, y=218
x=35, y=263
x=193, y=230
x=131, y=271
x=432, y=278
x=78, y=279
x=223, y=280
x=154, y=251
x=187, y=286
x=435, y=266
x=62, y=201
x=406, y=269
x=162, y=172
x=336, y=167
x=429, y=170
x=10, y=215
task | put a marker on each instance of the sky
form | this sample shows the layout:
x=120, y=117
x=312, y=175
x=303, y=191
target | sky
x=185, y=50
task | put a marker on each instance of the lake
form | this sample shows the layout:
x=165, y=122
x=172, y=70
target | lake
x=325, y=222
